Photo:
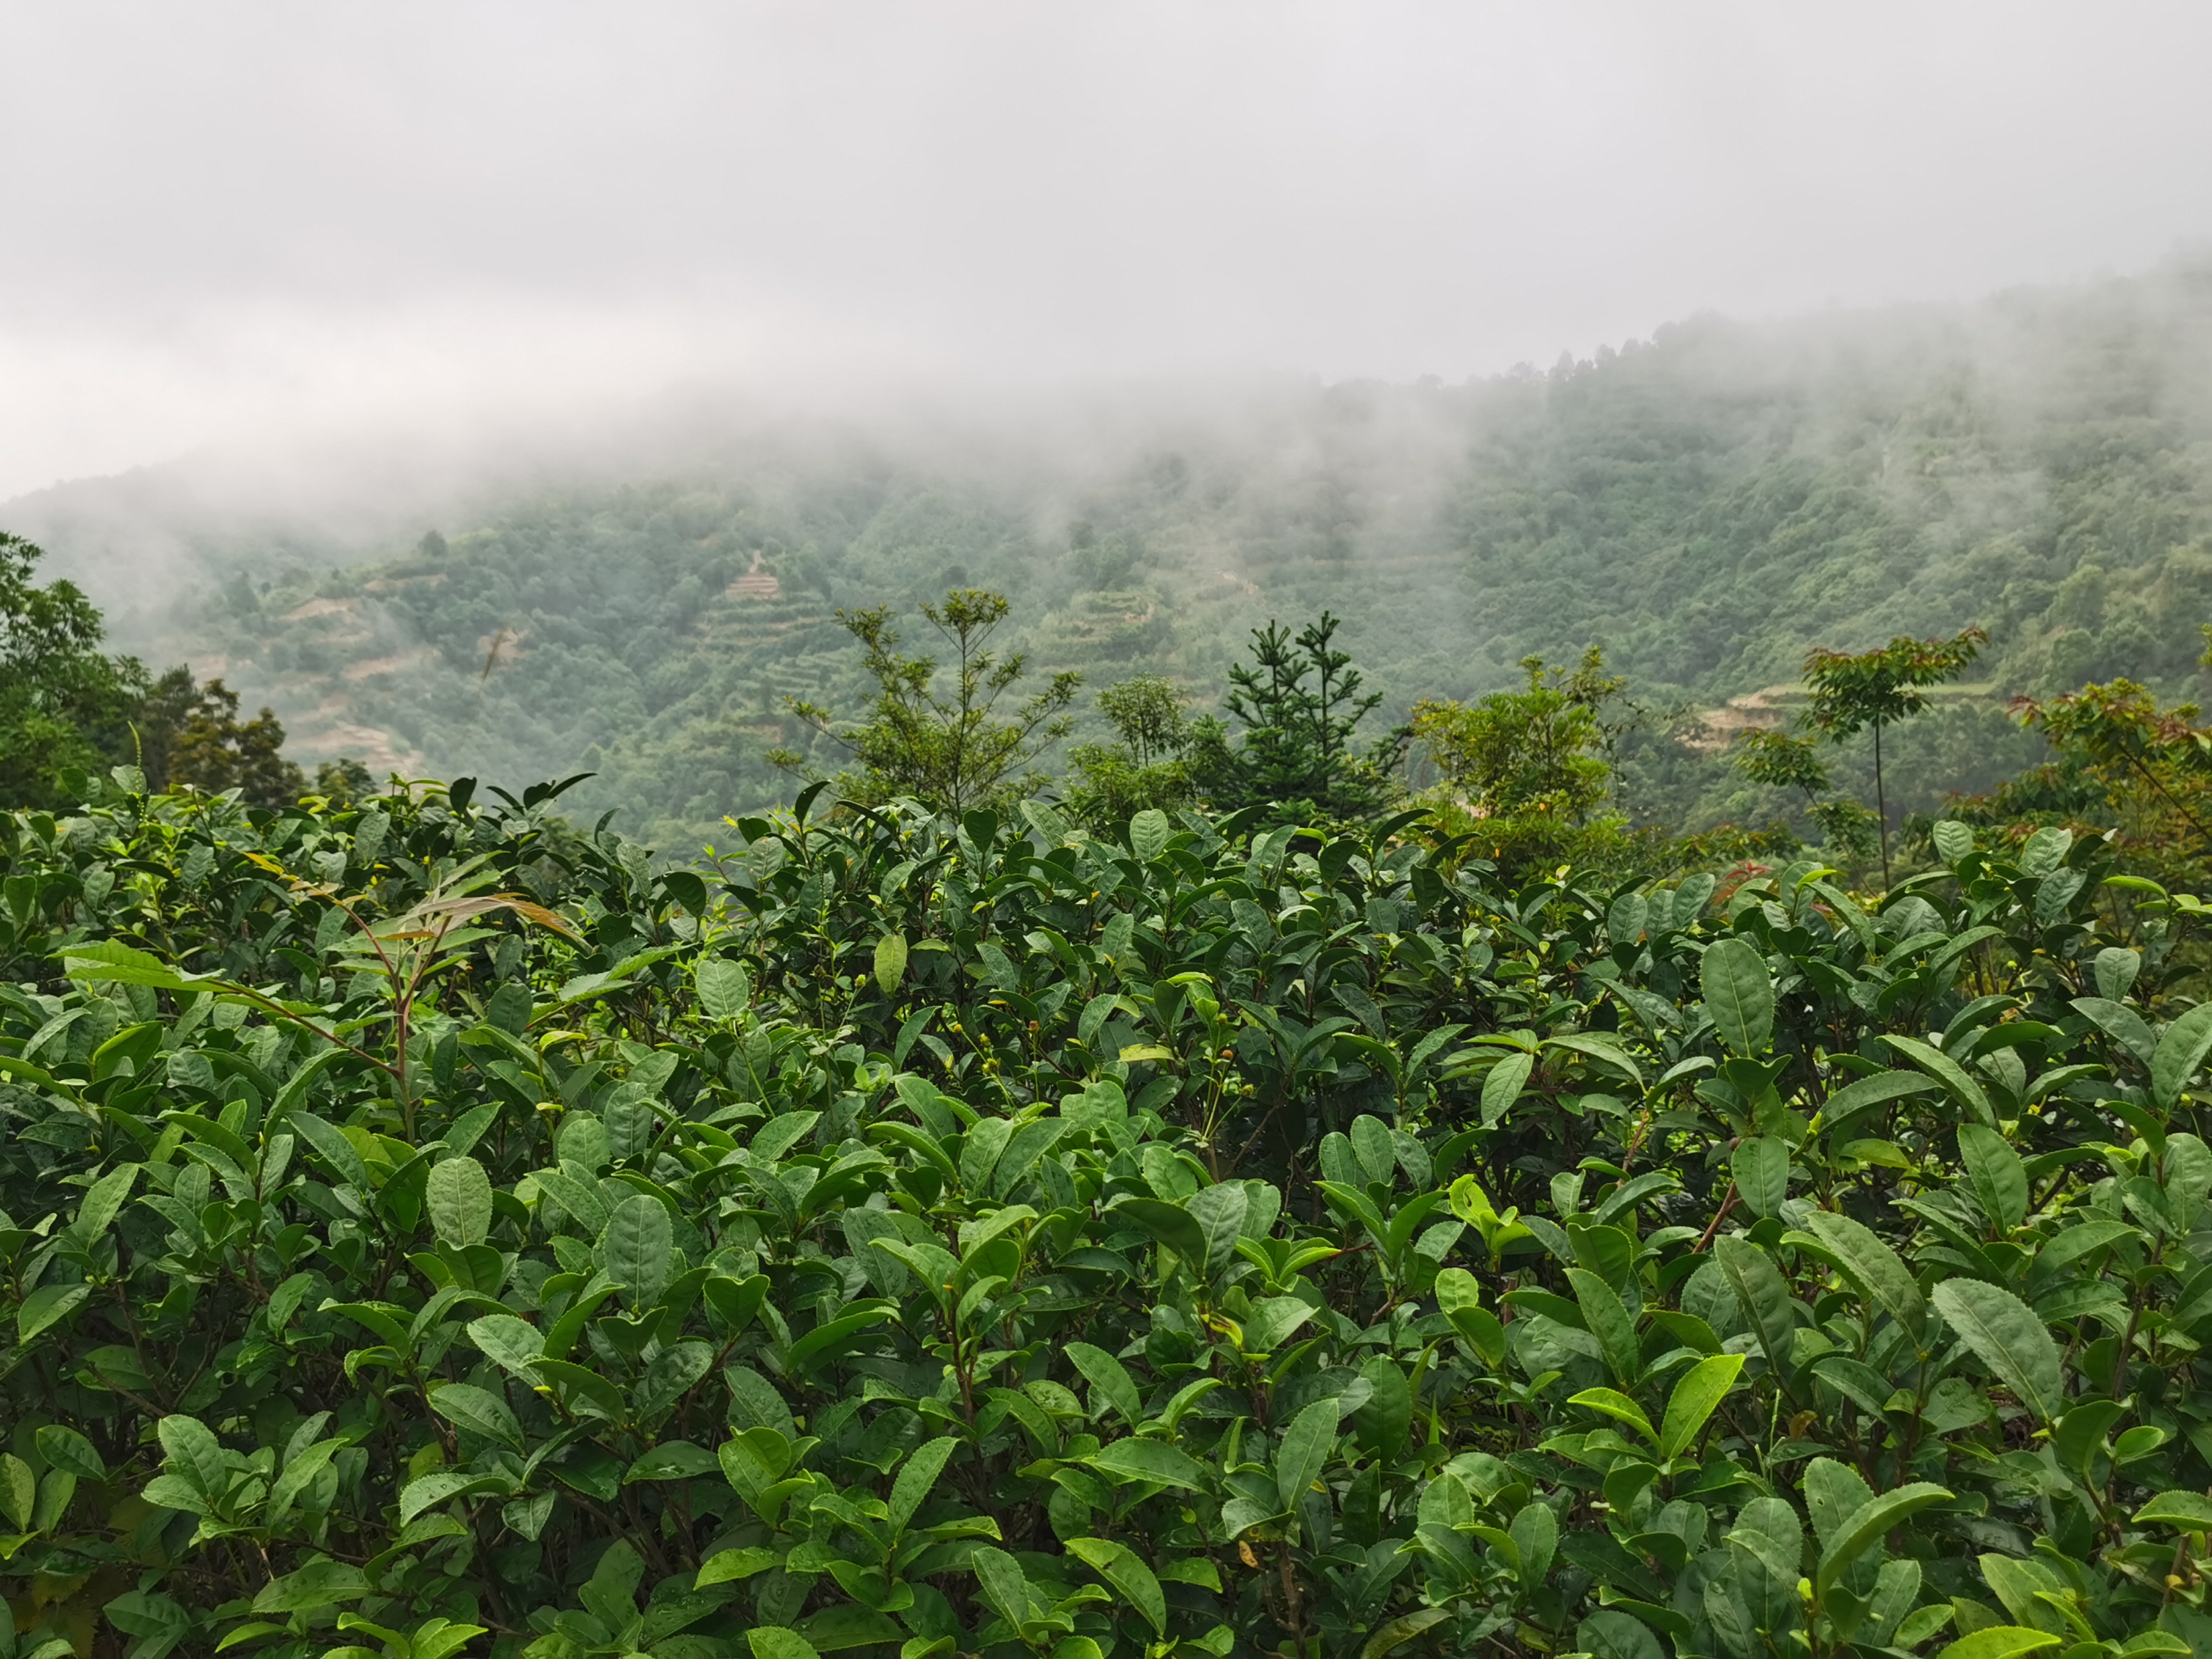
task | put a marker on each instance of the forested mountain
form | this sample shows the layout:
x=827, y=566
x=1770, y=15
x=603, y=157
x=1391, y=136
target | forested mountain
x=1705, y=504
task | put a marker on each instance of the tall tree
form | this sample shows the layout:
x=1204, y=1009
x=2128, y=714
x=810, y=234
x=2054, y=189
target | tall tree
x=190, y=734
x=1850, y=694
x=1300, y=702
x=939, y=734
x=65, y=706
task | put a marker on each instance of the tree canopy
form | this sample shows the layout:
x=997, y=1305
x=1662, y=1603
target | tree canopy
x=941, y=737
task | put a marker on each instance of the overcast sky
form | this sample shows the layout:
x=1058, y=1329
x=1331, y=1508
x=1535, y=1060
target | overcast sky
x=225, y=219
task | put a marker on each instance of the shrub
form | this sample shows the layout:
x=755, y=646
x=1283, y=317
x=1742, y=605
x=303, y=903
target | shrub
x=430, y=1228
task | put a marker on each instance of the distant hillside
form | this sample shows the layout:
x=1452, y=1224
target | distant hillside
x=1705, y=504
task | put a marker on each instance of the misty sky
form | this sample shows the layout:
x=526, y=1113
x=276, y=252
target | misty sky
x=226, y=219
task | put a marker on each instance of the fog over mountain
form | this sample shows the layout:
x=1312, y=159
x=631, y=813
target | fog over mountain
x=234, y=227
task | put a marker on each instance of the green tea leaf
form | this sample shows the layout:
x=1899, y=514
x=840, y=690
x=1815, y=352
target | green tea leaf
x=1609, y=1321
x=1739, y=994
x=915, y=1478
x=1999, y=1183
x=671, y=1460
x=193, y=1454
x=1871, y=1264
x=2122, y=1024
x=105, y=1198
x=834, y=1336
x=2188, y=1511
x=1303, y=1453
x=725, y=989
x=458, y=1194
x=1872, y=1522
x=19, y=1489
x=335, y=1151
x=1764, y=1296
x=635, y=1248
x=1395, y=1633
x=319, y=1584
x=1768, y=1531
x=299, y=1474
x=1535, y=1533
x=1004, y=1585
x=1696, y=1396
x=510, y=1343
x=46, y=1306
x=106, y=960
x=428, y=1492
x=1618, y=1406
x=1149, y=1462
x=890, y=962
x=1761, y=1169
x=1148, y=834
x=1275, y=1319
x=2006, y=1336
x=1954, y=840
x=724, y=1566
x=1503, y=1086
x=2181, y=1049
x=1948, y=1073
x=1864, y=1094
x=1121, y=1567
x=1999, y=1641
x=1219, y=1213
x=1173, y=1225
x=1610, y=1634
x=1110, y=1377
x=65, y=1449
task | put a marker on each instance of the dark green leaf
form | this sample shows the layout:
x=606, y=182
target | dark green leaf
x=2006, y=1335
x=1999, y=1183
x=1149, y=1462
x=458, y=1194
x=2181, y=1049
x=1871, y=1265
x=1304, y=1452
x=635, y=1248
x=1761, y=1169
x=1121, y=1567
x=1739, y=994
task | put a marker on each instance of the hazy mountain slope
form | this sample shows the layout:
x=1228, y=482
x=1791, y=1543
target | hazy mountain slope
x=1705, y=504
x=1708, y=503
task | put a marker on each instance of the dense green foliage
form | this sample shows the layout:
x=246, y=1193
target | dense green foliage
x=1147, y=763
x=1040, y=1223
x=1528, y=772
x=429, y=1228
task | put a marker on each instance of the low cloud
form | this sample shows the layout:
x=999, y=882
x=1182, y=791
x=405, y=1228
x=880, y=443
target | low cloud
x=228, y=227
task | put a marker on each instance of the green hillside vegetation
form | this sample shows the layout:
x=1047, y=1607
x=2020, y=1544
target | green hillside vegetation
x=1367, y=1145
x=1704, y=506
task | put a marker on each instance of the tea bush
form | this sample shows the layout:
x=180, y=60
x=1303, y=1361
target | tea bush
x=431, y=1228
